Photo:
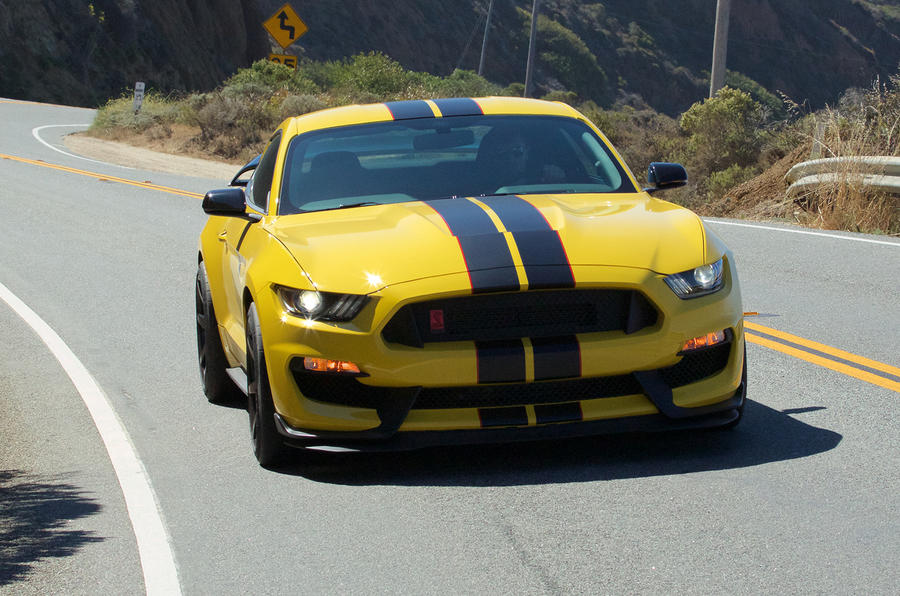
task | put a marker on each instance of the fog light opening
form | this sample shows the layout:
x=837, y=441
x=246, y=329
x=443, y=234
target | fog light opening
x=704, y=341
x=330, y=366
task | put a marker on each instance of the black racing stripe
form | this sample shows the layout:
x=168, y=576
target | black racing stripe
x=541, y=248
x=408, y=110
x=501, y=361
x=556, y=357
x=514, y=416
x=490, y=264
x=458, y=106
x=517, y=214
x=463, y=217
x=485, y=250
x=545, y=260
x=567, y=412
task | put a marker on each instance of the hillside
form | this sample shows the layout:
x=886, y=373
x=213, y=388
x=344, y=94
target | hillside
x=812, y=50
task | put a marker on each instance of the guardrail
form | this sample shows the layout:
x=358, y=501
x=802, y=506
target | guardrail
x=875, y=173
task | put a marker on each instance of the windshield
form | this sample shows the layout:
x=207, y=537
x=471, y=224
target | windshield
x=407, y=160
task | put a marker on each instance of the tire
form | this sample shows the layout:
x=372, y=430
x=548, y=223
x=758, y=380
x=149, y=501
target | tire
x=268, y=446
x=217, y=385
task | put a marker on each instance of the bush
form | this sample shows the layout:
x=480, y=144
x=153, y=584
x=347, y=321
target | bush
x=721, y=182
x=460, y=83
x=266, y=77
x=373, y=74
x=723, y=131
x=119, y=115
x=295, y=105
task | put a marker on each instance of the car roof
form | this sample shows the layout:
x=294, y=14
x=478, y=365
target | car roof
x=425, y=108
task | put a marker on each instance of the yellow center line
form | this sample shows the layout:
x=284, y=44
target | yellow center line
x=893, y=370
x=104, y=177
x=825, y=362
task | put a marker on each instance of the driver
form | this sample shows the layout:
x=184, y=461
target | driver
x=513, y=161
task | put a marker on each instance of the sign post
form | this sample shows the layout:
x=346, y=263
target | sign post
x=138, y=96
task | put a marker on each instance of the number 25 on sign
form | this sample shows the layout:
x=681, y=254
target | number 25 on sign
x=286, y=59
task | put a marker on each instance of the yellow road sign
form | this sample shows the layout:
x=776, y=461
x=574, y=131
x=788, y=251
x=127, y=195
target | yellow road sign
x=285, y=26
x=286, y=59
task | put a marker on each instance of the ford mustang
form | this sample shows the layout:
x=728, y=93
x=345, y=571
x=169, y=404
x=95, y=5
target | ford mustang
x=416, y=273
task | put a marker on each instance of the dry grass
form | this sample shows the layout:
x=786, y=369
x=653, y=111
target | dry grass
x=864, y=124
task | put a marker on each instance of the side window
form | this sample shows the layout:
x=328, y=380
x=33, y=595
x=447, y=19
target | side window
x=261, y=183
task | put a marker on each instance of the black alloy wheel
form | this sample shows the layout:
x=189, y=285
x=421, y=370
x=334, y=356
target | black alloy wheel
x=268, y=446
x=217, y=385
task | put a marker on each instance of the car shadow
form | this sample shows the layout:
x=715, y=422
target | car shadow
x=34, y=513
x=764, y=435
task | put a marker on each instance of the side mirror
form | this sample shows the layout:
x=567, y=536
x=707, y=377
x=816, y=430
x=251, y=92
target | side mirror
x=248, y=167
x=662, y=175
x=227, y=202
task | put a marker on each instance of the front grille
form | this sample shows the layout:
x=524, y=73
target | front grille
x=346, y=391
x=551, y=313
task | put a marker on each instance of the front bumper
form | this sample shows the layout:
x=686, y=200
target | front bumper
x=385, y=439
x=408, y=397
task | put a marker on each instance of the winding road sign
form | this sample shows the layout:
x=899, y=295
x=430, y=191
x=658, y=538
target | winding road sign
x=285, y=26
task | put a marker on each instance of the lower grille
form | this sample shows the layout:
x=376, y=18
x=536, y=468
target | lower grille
x=695, y=366
x=347, y=391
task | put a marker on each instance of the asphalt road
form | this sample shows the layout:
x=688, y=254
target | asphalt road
x=801, y=498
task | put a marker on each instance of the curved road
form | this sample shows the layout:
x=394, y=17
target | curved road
x=801, y=498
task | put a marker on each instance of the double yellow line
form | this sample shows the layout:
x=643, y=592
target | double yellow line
x=103, y=177
x=859, y=367
x=871, y=371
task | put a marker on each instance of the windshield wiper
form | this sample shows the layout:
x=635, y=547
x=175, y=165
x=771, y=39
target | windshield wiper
x=351, y=205
x=478, y=196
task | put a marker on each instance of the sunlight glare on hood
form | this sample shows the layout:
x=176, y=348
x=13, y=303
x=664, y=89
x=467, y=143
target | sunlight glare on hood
x=374, y=280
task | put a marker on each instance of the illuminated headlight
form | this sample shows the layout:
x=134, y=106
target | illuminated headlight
x=321, y=306
x=701, y=281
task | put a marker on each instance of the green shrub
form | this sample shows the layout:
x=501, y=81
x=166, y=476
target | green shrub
x=460, y=83
x=265, y=77
x=569, y=97
x=513, y=90
x=119, y=114
x=723, y=131
x=375, y=74
x=295, y=105
x=721, y=182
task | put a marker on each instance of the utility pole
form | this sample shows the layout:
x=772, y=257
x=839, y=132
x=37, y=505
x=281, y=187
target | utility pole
x=720, y=47
x=487, y=26
x=531, y=44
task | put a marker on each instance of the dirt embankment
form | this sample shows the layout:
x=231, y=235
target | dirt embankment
x=763, y=197
x=147, y=159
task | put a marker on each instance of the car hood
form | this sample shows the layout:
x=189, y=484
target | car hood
x=361, y=249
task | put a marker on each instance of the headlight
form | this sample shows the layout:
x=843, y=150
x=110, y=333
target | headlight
x=321, y=306
x=701, y=281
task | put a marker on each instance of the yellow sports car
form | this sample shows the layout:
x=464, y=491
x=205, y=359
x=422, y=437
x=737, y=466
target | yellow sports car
x=415, y=273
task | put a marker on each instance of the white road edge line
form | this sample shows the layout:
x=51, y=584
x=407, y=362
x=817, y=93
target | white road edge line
x=836, y=236
x=36, y=130
x=154, y=548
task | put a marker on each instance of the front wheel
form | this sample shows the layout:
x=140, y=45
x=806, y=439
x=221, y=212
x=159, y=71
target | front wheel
x=268, y=447
x=217, y=386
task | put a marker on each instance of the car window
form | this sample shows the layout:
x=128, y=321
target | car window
x=430, y=158
x=261, y=182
